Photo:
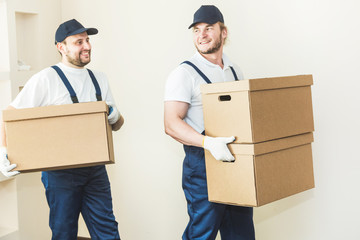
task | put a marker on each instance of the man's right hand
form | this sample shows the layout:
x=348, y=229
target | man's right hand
x=218, y=147
x=5, y=166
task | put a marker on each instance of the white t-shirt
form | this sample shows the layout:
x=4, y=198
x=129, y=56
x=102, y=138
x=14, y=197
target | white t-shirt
x=183, y=84
x=46, y=88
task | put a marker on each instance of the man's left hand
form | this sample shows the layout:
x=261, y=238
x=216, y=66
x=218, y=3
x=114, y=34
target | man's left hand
x=5, y=166
x=114, y=115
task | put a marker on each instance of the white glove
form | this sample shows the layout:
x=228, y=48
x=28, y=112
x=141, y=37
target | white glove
x=218, y=147
x=5, y=166
x=114, y=114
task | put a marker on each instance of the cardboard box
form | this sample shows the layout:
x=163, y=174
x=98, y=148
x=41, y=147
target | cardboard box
x=59, y=137
x=258, y=110
x=262, y=172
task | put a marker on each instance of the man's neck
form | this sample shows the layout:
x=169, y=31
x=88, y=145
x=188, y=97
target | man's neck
x=215, y=58
x=68, y=64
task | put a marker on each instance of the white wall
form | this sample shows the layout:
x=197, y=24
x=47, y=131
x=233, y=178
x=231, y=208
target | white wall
x=32, y=207
x=140, y=42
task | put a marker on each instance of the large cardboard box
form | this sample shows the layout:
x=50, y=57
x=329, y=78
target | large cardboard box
x=59, y=137
x=262, y=172
x=258, y=110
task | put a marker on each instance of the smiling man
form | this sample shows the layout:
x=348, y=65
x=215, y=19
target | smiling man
x=183, y=119
x=71, y=191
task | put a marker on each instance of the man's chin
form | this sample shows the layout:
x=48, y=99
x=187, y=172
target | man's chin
x=208, y=51
x=84, y=63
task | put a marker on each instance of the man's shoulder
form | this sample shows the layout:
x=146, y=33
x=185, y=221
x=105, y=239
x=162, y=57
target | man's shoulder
x=183, y=70
x=45, y=73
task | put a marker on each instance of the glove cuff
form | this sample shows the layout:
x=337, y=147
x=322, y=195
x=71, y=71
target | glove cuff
x=115, y=116
x=208, y=142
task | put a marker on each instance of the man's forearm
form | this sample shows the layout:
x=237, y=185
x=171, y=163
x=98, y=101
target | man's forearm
x=183, y=133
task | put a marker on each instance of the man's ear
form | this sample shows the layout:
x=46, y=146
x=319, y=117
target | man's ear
x=60, y=47
x=224, y=32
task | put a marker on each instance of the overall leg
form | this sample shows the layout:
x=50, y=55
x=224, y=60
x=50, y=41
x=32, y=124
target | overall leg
x=63, y=195
x=237, y=224
x=97, y=209
x=205, y=217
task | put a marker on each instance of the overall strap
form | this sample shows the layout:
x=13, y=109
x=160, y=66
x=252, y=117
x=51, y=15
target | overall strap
x=96, y=85
x=67, y=84
x=234, y=73
x=203, y=75
x=71, y=90
x=198, y=70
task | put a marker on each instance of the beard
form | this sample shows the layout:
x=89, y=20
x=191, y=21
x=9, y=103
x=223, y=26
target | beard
x=77, y=61
x=214, y=49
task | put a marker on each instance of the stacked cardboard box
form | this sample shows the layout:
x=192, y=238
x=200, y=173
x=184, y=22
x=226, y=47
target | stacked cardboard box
x=272, y=120
x=59, y=137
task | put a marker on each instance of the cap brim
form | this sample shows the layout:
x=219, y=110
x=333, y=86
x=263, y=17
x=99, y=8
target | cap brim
x=92, y=31
x=193, y=24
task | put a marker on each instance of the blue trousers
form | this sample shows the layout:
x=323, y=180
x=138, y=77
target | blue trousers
x=80, y=190
x=206, y=218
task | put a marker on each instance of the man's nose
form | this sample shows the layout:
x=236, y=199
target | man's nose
x=87, y=45
x=203, y=33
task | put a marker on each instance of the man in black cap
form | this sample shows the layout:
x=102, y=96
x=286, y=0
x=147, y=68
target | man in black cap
x=71, y=191
x=183, y=119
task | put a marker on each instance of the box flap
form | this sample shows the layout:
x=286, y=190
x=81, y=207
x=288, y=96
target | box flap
x=271, y=146
x=257, y=84
x=54, y=111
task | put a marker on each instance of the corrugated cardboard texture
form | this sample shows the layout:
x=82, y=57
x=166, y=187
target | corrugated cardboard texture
x=255, y=180
x=59, y=137
x=283, y=173
x=231, y=182
x=258, y=110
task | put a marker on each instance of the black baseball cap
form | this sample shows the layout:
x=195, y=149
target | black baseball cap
x=70, y=28
x=207, y=14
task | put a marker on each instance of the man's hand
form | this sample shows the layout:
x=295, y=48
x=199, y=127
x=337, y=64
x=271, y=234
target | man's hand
x=218, y=147
x=114, y=115
x=5, y=166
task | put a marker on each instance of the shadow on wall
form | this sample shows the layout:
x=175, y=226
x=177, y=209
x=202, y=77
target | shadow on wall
x=279, y=207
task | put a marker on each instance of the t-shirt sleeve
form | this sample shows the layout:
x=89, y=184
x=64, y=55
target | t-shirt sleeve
x=179, y=86
x=33, y=93
x=106, y=93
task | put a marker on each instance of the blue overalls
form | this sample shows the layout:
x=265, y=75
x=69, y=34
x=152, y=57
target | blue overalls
x=82, y=190
x=207, y=218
